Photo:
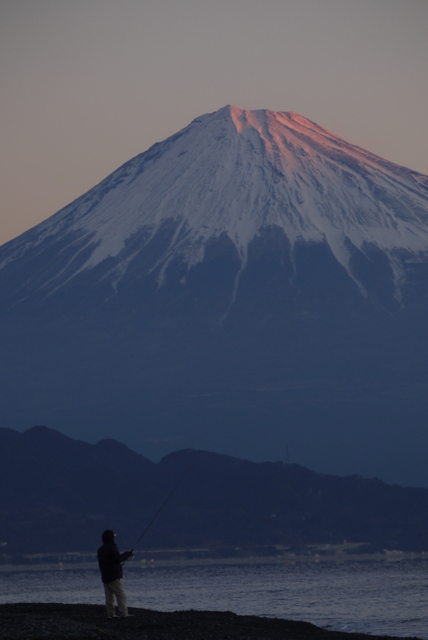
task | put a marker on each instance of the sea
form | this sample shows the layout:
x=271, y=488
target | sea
x=373, y=597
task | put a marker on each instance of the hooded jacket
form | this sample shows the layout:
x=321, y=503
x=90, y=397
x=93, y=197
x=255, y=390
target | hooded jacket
x=110, y=559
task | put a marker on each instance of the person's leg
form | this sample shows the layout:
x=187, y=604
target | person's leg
x=119, y=591
x=109, y=593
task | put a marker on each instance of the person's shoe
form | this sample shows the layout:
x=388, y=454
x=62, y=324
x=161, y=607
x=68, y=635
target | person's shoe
x=126, y=615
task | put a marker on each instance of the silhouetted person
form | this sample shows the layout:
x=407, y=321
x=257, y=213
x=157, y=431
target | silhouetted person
x=110, y=562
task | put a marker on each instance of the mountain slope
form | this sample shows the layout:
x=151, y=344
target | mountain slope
x=253, y=285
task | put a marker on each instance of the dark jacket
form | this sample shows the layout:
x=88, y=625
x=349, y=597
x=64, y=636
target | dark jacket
x=109, y=560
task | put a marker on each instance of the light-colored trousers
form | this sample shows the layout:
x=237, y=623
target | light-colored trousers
x=112, y=590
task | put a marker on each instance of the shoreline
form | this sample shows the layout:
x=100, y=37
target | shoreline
x=68, y=561
x=35, y=621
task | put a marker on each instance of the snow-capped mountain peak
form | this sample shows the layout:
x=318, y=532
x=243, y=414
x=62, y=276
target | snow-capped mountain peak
x=236, y=172
x=251, y=282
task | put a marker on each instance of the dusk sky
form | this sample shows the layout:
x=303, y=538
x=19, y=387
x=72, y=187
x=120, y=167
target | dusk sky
x=88, y=84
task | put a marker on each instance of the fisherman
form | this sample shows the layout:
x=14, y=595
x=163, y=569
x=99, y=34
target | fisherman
x=110, y=562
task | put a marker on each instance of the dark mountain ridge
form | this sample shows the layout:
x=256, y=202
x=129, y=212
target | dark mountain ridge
x=59, y=494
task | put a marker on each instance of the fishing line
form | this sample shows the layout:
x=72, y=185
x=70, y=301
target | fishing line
x=162, y=506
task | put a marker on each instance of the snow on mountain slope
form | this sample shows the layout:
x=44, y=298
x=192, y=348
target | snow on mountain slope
x=237, y=172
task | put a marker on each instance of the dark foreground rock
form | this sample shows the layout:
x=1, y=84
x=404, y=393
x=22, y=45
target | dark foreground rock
x=89, y=622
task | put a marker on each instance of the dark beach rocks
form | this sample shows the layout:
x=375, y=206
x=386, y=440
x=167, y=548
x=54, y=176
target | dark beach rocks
x=89, y=622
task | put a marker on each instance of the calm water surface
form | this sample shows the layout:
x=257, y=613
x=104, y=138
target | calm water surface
x=371, y=597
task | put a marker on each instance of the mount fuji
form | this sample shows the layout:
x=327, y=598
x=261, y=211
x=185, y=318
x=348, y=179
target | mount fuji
x=253, y=285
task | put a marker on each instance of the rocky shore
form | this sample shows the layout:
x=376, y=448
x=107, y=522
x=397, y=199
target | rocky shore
x=88, y=622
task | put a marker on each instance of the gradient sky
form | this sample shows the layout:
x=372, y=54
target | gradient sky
x=88, y=84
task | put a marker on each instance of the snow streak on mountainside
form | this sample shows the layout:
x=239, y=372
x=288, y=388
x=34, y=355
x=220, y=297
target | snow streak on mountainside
x=238, y=172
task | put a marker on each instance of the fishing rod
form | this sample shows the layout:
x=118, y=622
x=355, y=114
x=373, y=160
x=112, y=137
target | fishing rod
x=163, y=505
